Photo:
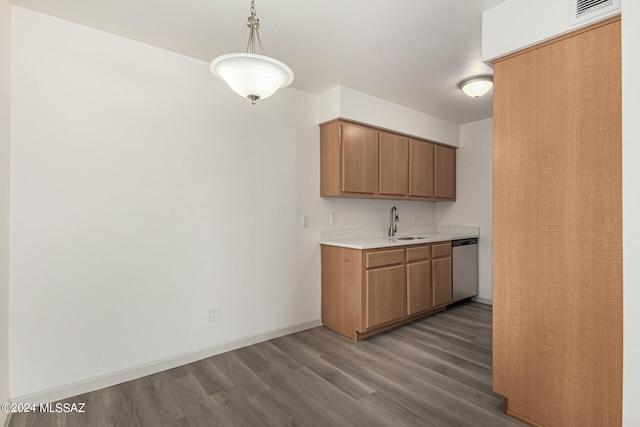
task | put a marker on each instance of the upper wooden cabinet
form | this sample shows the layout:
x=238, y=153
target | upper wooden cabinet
x=421, y=169
x=363, y=161
x=359, y=159
x=445, y=172
x=394, y=164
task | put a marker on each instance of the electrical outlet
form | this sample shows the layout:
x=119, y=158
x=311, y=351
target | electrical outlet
x=334, y=218
x=306, y=221
x=214, y=313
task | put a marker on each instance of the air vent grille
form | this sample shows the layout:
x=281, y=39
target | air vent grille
x=584, y=6
x=587, y=10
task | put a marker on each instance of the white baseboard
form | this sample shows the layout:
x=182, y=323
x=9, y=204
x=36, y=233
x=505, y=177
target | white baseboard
x=102, y=381
x=483, y=300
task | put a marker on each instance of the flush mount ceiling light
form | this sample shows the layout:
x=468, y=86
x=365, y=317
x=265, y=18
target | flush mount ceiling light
x=476, y=86
x=252, y=75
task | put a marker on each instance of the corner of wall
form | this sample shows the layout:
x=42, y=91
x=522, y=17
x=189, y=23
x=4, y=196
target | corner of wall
x=5, y=121
x=631, y=211
x=474, y=193
x=329, y=105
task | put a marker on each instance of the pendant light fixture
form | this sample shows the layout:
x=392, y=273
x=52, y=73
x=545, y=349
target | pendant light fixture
x=477, y=86
x=252, y=75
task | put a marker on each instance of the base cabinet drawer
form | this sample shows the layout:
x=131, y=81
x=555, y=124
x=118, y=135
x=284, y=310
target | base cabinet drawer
x=441, y=250
x=381, y=258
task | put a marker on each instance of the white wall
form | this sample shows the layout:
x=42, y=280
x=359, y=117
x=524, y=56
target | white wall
x=5, y=119
x=474, y=194
x=512, y=23
x=329, y=104
x=366, y=213
x=631, y=207
x=516, y=24
x=143, y=191
x=350, y=104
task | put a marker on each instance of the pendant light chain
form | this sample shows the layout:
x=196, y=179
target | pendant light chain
x=254, y=25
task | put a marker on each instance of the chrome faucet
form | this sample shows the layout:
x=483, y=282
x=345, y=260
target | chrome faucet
x=393, y=228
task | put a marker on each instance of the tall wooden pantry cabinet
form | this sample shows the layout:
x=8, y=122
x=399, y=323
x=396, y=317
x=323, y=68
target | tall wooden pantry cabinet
x=557, y=230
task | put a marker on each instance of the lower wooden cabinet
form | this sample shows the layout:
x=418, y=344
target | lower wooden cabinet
x=365, y=292
x=384, y=295
x=429, y=278
x=442, y=274
x=419, y=287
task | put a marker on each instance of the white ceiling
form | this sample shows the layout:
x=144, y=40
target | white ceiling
x=411, y=52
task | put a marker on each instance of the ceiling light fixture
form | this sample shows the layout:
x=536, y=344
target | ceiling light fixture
x=252, y=75
x=476, y=86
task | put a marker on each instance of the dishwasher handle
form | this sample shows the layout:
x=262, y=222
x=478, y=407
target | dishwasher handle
x=464, y=242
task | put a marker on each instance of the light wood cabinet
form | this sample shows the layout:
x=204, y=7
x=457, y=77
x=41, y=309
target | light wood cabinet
x=394, y=164
x=363, y=161
x=445, y=172
x=359, y=159
x=384, y=295
x=442, y=274
x=421, y=169
x=419, y=287
x=429, y=278
x=348, y=160
x=557, y=230
x=365, y=292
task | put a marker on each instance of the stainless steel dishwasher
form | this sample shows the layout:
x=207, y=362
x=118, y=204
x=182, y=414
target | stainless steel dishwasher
x=465, y=269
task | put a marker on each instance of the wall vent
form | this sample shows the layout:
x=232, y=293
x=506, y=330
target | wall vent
x=583, y=10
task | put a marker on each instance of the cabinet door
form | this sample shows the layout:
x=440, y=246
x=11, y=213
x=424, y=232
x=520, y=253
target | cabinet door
x=442, y=290
x=394, y=164
x=385, y=295
x=445, y=172
x=359, y=159
x=558, y=279
x=420, y=169
x=418, y=287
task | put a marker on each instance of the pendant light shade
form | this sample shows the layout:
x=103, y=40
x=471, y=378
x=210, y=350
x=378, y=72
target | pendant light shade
x=252, y=75
x=477, y=86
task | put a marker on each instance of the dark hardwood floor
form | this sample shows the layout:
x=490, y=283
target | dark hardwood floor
x=432, y=372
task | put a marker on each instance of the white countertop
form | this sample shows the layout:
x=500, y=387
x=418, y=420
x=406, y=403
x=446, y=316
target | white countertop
x=373, y=238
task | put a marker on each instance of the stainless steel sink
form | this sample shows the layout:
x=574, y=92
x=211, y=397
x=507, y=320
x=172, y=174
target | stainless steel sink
x=410, y=238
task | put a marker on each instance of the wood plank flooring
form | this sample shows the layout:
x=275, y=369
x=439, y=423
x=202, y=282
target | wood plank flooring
x=432, y=372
